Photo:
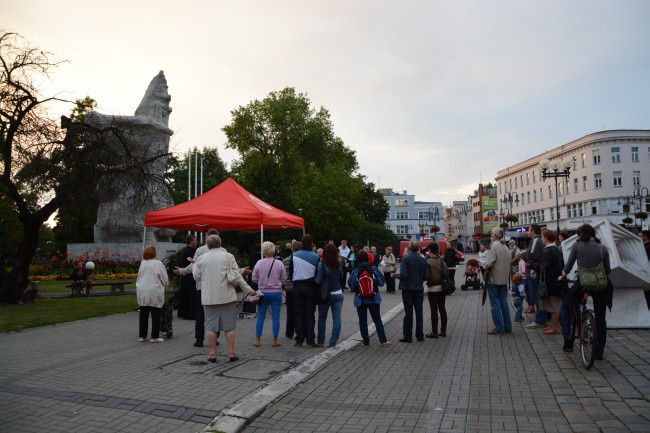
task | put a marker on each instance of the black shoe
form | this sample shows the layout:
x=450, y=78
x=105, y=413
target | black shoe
x=404, y=340
x=599, y=357
x=432, y=335
x=568, y=346
x=420, y=340
x=198, y=343
x=442, y=334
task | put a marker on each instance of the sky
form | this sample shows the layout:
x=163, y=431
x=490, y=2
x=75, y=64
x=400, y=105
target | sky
x=434, y=96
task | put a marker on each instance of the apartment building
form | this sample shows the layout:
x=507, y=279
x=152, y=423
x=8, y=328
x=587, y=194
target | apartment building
x=408, y=218
x=608, y=177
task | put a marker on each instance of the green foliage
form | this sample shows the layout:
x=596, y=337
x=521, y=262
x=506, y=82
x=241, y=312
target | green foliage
x=77, y=214
x=10, y=227
x=291, y=158
x=376, y=235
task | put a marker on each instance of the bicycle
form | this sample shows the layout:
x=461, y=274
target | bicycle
x=586, y=332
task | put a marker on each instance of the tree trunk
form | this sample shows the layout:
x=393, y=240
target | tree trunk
x=16, y=282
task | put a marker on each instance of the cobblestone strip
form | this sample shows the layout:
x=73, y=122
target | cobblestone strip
x=234, y=418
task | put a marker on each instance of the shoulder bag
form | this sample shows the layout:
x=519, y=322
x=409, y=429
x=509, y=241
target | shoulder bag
x=542, y=287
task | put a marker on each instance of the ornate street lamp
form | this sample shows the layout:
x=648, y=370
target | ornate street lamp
x=641, y=192
x=556, y=171
x=626, y=201
x=509, y=198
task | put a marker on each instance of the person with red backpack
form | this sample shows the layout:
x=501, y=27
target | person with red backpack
x=365, y=281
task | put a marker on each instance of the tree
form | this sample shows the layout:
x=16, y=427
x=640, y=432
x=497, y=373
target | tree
x=44, y=162
x=76, y=217
x=291, y=158
x=214, y=172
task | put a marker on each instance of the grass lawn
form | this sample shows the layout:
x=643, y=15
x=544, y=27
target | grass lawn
x=57, y=310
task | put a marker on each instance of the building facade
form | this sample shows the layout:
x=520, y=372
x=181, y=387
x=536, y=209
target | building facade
x=408, y=218
x=608, y=177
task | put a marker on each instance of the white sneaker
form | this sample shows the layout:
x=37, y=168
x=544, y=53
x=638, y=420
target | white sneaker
x=535, y=325
x=142, y=340
x=156, y=340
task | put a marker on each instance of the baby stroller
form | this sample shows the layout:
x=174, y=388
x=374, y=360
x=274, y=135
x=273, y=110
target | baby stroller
x=472, y=279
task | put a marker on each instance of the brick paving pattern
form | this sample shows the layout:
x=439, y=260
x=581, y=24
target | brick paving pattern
x=93, y=376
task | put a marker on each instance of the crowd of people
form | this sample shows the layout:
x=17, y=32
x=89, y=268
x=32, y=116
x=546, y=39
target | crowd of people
x=538, y=274
x=309, y=280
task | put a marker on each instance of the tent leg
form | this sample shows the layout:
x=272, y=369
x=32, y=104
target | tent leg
x=144, y=237
x=261, y=240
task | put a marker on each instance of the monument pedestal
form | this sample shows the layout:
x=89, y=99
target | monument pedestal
x=127, y=252
x=629, y=309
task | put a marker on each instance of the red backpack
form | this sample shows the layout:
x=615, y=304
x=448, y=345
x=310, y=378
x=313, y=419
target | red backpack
x=367, y=286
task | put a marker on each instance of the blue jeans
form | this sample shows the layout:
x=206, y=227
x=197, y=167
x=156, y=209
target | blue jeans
x=336, y=303
x=273, y=299
x=498, y=295
x=362, y=312
x=541, y=316
x=413, y=300
x=519, y=303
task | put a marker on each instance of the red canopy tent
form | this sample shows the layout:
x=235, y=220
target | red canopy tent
x=226, y=207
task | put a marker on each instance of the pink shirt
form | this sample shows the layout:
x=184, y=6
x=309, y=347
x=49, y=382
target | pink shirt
x=269, y=281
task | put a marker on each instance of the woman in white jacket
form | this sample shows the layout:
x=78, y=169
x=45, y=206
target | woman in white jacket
x=150, y=290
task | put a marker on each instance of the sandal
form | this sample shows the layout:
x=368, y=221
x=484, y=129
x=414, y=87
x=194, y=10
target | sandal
x=212, y=360
x=232, y=357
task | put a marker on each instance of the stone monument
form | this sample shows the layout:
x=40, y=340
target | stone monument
x=630, y=274
x=120, y=222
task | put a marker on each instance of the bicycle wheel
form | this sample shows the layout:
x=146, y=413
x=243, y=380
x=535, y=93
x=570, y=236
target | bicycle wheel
x=588, y=344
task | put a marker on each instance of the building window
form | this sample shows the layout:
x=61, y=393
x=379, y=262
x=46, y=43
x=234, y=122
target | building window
x=635, y=154
x=636, y=178
x=583, y=158
x=511, y=180
x=527, y=178
x=402, y=230
x=401, y=202
x=402, y=216
x=580, y=209
x=550, y=191
x=616, y=154
x=521, y=180
x=541, y=194
x=584, y=183
x=515, y=183
x=533, y=177
x=598, y=180
x=575, y=163
x=618, y=179
x=566, y=187
x=575, y=185
x=535, y=196
x=597, y=156
x=543, y=218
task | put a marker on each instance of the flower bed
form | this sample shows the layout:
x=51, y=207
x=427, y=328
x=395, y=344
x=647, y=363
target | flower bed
x=102, y=276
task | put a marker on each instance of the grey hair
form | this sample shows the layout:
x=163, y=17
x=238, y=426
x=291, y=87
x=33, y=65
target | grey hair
x=213, y=241
x=213, y=232
x=498, y=232
x=296, y=246
x=414, y=246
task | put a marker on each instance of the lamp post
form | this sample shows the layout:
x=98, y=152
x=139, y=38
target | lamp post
x=641, y=192
x=626, y=201
x=433, y=218
x=556, y=173
x=509, y=198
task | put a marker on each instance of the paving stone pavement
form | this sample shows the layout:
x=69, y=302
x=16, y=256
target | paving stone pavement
x=93, y=376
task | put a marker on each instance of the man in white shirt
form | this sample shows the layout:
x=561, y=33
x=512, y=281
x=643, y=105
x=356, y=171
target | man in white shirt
x=344, y=252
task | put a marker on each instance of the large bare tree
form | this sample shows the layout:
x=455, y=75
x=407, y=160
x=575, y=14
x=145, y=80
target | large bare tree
x=44, y=162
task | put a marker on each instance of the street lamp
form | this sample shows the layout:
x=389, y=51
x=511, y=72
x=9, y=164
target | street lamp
x=555, y=172
x=641, y=192
x=626, y=201
x=509, y=198
x=433, y=217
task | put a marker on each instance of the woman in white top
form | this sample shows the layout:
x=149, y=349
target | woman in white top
x=150, y=290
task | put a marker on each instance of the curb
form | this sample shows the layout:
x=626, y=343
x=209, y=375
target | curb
x=241, y=413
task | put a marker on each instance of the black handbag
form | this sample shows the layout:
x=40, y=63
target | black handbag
x=448, y=287
x=542, y=287
x=325, y=293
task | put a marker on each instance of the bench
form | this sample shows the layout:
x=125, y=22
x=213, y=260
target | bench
x=116, y=286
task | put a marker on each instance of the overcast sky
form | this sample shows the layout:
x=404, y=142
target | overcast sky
x=432, y=95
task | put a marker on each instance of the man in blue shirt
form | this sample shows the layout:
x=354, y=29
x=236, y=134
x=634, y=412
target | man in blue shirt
x=413, y=272
x=304, y=264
